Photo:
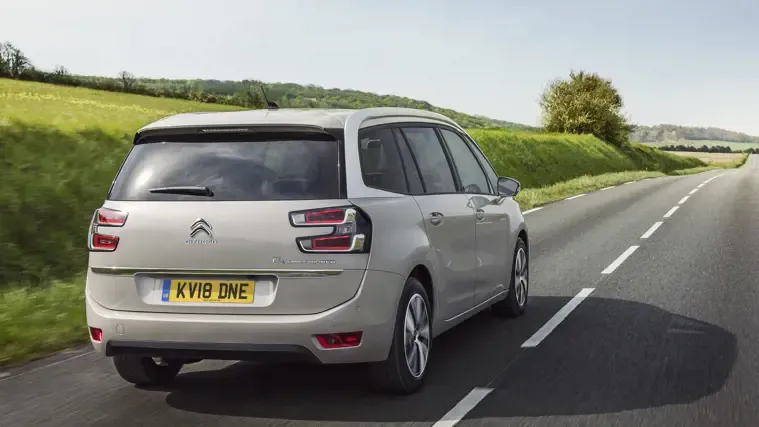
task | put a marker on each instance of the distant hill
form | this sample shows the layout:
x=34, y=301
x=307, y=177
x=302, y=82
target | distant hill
x=291, y=95
x=664, y=132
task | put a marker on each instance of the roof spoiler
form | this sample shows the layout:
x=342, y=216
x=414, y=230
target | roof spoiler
x=195, y=132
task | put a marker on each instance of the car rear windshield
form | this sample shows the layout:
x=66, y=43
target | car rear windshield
x=283, y=169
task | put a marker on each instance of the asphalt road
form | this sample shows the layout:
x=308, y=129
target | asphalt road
x=667, y=336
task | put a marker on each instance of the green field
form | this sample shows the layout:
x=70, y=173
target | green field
x=735, y=146
x=62, y=147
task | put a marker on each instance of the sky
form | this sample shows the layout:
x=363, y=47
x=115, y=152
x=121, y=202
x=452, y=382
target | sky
x=692, y=63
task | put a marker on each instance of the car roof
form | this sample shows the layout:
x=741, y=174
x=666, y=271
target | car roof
x=323, y=118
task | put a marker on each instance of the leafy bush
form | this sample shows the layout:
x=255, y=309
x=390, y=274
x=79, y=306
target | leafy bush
x=585, y=104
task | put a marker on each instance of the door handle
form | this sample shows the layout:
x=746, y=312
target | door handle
x=480, y=214
x=436, y=218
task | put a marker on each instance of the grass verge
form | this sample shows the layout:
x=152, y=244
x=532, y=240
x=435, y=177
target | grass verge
x=36, y=322
x=533, y=197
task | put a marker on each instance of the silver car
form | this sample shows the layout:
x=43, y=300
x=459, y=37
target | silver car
x=329, y=236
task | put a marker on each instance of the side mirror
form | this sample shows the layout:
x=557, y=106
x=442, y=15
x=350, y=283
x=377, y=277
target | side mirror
x=508, y=187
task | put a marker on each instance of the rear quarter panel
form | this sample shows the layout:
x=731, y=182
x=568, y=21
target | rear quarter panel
x=399, y=240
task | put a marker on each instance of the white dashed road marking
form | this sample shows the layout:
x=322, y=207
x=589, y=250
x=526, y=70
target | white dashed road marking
x=532, y=210
x=671, y=211
x=557, y=318
x=612, y=186
x=683, y=200
x=463, y=407
x=574, y=197
x=693, y=191
x=651, y=230
x=617, y=262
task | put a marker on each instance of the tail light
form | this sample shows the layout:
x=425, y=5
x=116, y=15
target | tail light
x=105, y=217
x=351, y=230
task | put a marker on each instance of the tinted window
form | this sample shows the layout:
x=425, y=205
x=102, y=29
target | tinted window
x=409, y=165
x=381, y=165
x=492, y=176
x=268, y=170
x=472, y=177
x=429, y=155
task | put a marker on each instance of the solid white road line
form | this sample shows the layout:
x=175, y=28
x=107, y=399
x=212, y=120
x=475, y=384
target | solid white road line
x=574, y=197
x=557, y=318
x=693, y=191
x=617, y=262
x=611, y=186
x=630, y=182
x=683, y=200
x=463, y=407
x=651, y=230
x=11, y=376
x=532, y=210
x=671, y=211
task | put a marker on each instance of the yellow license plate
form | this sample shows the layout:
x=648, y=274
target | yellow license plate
x=240, y=292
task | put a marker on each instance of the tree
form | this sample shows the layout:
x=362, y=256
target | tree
x=585, y=104
x=127, y=80
x=60, y=71
x=13, y=62
x=251, y=95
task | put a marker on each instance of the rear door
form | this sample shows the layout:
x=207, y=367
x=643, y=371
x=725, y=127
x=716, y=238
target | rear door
x=258, y=239
x=449, y=220
x=492, y=222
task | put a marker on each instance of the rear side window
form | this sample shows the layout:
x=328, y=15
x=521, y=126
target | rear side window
x=234, y=171
x=409, y=165
x=472, y=177
x=381, y=165
x=431, y=159
x=492, y=176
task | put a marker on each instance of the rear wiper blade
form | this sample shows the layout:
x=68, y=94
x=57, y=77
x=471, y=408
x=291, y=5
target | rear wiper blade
x=189, y=190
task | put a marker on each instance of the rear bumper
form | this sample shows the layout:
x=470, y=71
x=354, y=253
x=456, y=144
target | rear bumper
x=253, y=337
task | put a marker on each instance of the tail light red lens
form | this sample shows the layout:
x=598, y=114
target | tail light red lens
x=351, y=230
x=96, y=334
x=319, y=217
x=333, y=243
x=110, y=217
x=340, y=340
x=104, y=242
x=327, y=216
x=105, y=217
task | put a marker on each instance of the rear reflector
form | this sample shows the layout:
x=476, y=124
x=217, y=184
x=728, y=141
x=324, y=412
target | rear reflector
x=96, y=334
x=340, y=340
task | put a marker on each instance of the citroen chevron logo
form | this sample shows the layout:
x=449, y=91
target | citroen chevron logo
x=201, y=226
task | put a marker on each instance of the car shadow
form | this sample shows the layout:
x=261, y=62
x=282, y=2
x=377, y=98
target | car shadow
x=609, y=355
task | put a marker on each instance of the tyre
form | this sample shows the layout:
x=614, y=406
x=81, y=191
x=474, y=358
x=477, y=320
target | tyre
x=516, y=300
x=406, y=366
x=146, y=371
